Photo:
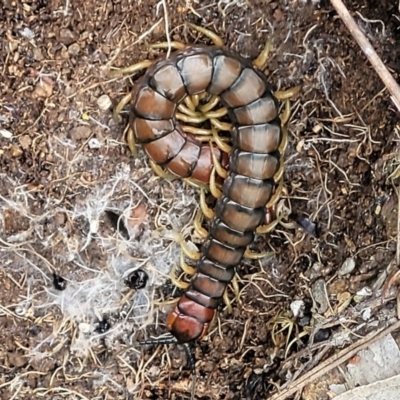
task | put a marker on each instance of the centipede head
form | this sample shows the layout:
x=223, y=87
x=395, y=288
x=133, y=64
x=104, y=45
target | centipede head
x=168, y=340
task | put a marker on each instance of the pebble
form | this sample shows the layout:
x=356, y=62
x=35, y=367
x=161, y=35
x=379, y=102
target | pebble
x=74, y=49
x=80, y=132
x=67, y=37
x=319, y=294
x=347, y=267
x=104, y=102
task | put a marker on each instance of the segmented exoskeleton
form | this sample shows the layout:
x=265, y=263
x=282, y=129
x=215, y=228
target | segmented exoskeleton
x=255, y=165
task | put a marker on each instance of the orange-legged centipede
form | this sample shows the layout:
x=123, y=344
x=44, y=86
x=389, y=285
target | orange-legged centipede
x=255, y=165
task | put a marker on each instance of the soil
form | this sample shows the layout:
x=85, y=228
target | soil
x=69, y=182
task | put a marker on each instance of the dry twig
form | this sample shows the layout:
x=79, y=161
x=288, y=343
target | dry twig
x=334, y=361
x=369, y=51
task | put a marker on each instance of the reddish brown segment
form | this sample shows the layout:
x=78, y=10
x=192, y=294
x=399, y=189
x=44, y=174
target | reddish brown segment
x=254, y=163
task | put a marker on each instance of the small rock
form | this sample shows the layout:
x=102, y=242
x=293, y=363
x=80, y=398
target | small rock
x=94, y=144
x=297, y=308
x=27, y=33
x=321, y=335
x=60, y=218
x=37, y=54
x=74, y=49
x=366, y=314
x=67, y=37
x=15, y=151
x=80, y=132
x=43, y=89
x=6, y=134
x=338, y=286
x=305, y=320
x=104, y=102
x=320, y=296
x=25, y=141
x=347, y=267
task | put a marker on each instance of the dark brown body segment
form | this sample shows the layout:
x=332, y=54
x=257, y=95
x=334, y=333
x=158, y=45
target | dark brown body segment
x=254, y=162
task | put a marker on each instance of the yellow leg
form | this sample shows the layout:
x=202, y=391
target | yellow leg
x=189, y=103
x=165, y=45
x=195, y=100
x=261, y=61
x=210, y=104
x=161, y=172
x=227, y=302
x=213, y=185
x=285, y=139
x=278, y=175
x=187, y=269
x=287, y=94
x=213, y=36
x=131, y=69
x=198, y=226
x=178, y=283
x=223, y=173
x=286, y=113
x=130, y=139
x=221, y=112
x=189, y=119
x=275, y=197
x=188, y=111
x=204, y=207
x=194, y=255
x=220, y=143
x=196, y=184
x=222, y=126
x=252, y=255
x=124, y=101
x=263, y=229
x=236, y=289
x=197, y=131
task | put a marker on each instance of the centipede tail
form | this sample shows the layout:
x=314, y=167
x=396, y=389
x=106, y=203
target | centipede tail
x=253, y=165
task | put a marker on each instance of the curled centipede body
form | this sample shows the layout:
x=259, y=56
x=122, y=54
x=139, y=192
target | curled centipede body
x=255, y=164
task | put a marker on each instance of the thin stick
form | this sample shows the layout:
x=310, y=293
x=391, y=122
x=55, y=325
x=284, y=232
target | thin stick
x=333, y=362
x=369, y=51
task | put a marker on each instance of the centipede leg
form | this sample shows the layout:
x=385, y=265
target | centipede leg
x=124, y=101
x=194, y=255
x=204, y=207
x=131, y=69
x=213, y=185
x=186, y=268
x=176, y=281
x=161, y=172
x=275, y=197
x=236, y=289
x=174, y=45
x=130, y=139
x=203, y=234
x=214, y=100
x=222, y=172
x=211, y=35
x=227, y=302
x=252, y=255
x=261, y=61
x=287, y=94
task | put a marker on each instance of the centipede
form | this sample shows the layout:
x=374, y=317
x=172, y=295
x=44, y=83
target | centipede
x=250, y=167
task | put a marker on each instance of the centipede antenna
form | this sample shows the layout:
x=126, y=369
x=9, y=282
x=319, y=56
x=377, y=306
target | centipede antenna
x=192, y=364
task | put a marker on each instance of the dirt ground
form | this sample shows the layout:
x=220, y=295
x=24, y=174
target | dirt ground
x=67, y=176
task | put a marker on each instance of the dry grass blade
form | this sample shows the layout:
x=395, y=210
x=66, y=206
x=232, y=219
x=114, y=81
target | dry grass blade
x=334, y=361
